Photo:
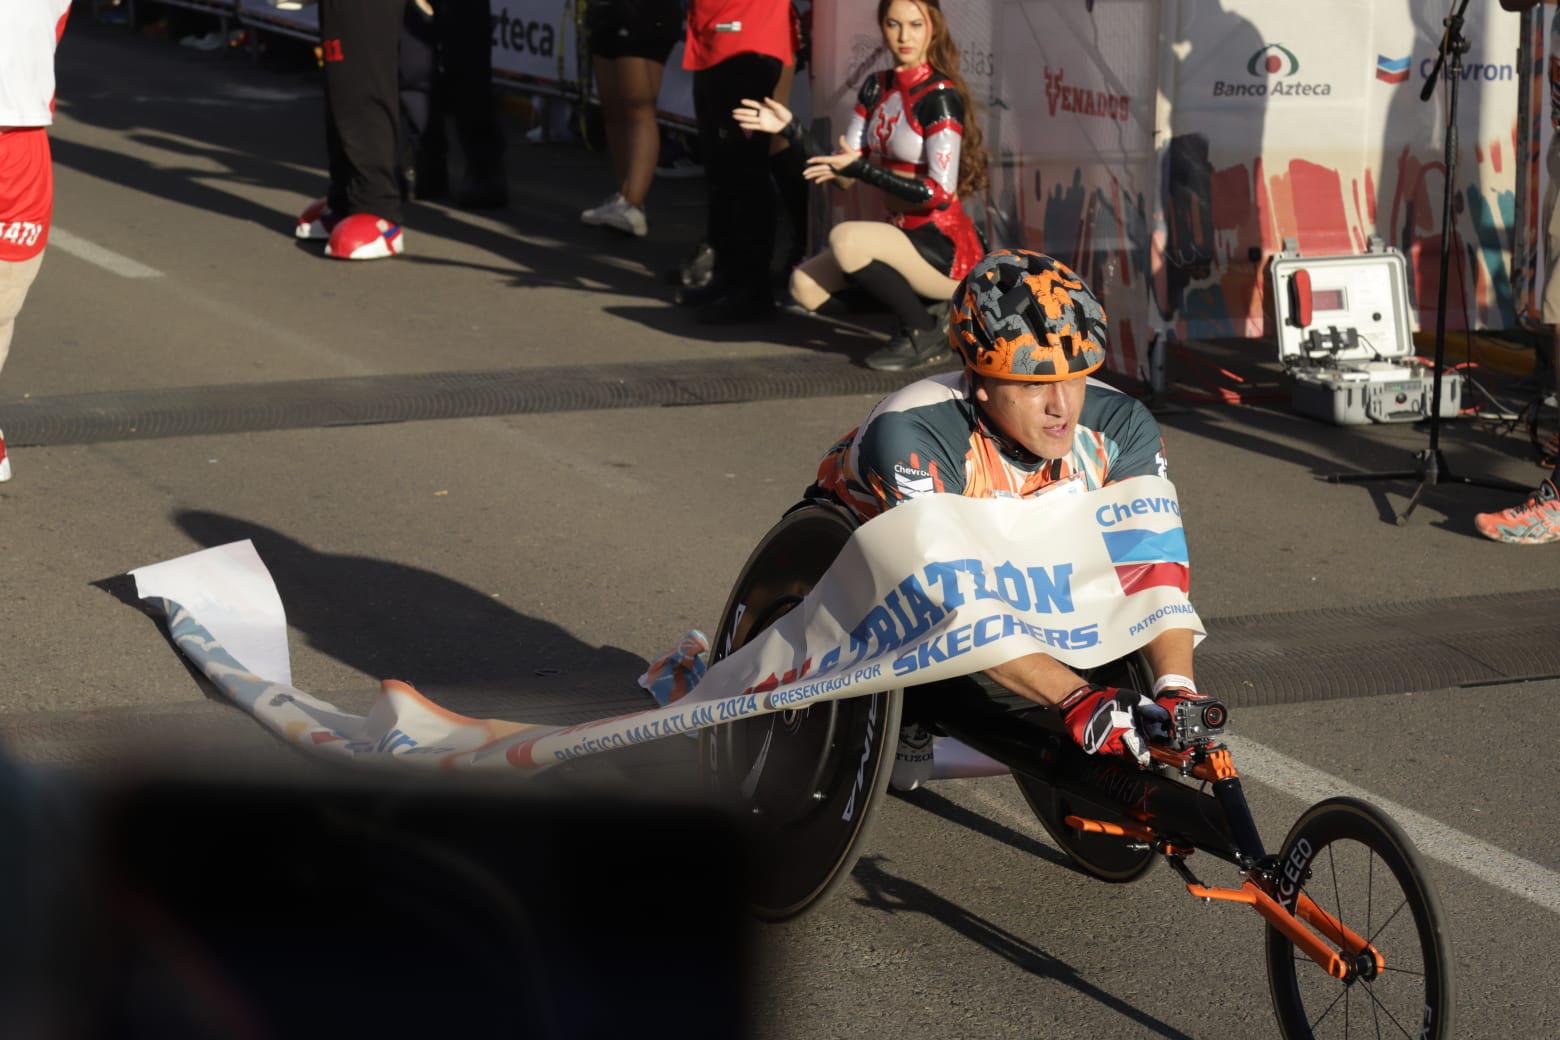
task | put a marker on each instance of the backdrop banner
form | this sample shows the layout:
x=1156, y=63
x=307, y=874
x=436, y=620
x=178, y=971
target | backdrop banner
x=1165, y=149
x=938, y=587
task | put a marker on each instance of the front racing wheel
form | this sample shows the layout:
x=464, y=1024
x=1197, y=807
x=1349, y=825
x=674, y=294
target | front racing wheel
x=1102, y=856
x=808, y=780
x=1358, y=865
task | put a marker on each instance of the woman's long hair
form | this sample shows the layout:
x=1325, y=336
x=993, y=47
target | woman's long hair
x=943, y=55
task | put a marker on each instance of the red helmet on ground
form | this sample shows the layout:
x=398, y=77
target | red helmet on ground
x=363, y=236
x=1019, y=314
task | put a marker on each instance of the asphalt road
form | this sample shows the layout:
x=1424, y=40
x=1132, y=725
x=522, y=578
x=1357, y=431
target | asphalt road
x=541, y=557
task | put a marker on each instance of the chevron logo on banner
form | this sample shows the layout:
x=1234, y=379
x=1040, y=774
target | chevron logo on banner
x=1149, y=559
x=1391, y=70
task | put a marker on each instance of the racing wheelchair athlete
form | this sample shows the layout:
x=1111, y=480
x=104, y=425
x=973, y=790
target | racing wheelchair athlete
x=1122, y=765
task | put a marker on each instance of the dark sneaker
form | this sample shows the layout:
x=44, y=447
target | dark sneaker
x=1534, y=522
x=698, y=269
x=910, y=350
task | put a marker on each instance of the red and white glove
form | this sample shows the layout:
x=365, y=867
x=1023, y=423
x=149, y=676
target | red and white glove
x=1113, y=721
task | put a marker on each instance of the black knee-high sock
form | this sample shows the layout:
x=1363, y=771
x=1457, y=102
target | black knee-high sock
x=888, y=285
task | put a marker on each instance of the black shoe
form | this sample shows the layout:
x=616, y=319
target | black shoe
x=738, y=308
x=938, y=309
x=910, y=350
x=698, y=269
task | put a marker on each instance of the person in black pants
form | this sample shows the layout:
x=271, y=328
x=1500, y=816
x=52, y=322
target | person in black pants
x=447, y=67
x=736, y=48
x=741, y=210
x=360, y=44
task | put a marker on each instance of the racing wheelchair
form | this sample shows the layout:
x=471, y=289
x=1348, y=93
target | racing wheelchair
x=1348, y=905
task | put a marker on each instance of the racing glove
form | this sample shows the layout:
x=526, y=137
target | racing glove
x=1113, y=721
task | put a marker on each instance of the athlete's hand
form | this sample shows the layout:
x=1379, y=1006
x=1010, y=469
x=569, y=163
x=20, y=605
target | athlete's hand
x=766, y=117
x=1168, y=700
x=1104, y=719
x=821, y=169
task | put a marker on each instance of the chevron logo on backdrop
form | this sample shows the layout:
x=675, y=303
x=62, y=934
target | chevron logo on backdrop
x=1392, y=70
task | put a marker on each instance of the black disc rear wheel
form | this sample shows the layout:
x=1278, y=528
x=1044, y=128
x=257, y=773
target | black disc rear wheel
x=1356, y=864
x=1103, y=856
x=808, y=780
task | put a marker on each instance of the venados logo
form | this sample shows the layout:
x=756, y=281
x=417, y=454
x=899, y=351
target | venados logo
x=1273, y=60
x=1083, y=101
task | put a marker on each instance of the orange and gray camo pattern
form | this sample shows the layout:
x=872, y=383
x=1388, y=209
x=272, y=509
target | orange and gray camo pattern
x=1024, y=315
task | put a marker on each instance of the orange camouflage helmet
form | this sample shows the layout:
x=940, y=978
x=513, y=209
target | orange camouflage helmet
x=1019, y=314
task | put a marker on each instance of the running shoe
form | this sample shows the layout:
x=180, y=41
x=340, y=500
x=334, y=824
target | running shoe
x=912, y=759
x=5, y=460
x=316, y=222
x=622, y=215
x=363, y=236
x=1534, y=522
x=593, y=215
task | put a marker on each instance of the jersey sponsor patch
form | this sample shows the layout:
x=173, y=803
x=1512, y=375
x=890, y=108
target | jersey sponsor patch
x=912, y=480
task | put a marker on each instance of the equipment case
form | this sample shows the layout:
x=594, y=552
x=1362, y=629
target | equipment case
x=1346, y=339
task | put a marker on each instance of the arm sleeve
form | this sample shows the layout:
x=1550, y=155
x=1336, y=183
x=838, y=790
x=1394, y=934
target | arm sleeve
x=900, y=459
x=866, y=99
x=941, y=114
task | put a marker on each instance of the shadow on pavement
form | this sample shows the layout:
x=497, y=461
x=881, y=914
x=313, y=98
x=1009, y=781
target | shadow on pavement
x=394, y=620
x=953, y=812
x=1322, y=449
x=889, y=894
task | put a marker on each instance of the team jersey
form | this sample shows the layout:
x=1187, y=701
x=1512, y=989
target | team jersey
x=930, y=438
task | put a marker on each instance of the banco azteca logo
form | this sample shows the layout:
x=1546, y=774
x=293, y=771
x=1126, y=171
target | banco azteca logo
x=1273, y=60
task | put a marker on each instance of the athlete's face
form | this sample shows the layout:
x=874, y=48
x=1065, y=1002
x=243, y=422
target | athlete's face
x=1039, y=416
x=907, y=32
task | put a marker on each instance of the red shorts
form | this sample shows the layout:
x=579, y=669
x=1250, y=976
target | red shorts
x=26, y=193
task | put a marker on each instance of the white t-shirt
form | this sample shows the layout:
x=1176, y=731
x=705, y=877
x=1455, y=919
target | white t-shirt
x=29, y=29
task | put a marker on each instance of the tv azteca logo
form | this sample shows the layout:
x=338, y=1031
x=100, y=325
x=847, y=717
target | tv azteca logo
x=1276, y=67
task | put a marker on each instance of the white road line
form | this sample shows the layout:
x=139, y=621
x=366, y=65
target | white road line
x=93, y=253
x=1492, y=865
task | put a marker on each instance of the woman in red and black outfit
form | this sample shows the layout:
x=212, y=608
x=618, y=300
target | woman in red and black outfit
x=914, y=137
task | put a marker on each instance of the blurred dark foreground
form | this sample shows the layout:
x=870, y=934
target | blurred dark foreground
x=209, y=903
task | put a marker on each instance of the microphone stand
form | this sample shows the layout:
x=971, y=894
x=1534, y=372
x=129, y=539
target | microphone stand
x=1432, y=468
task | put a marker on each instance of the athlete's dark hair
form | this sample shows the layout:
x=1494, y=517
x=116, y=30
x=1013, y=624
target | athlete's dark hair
x=943, y=55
